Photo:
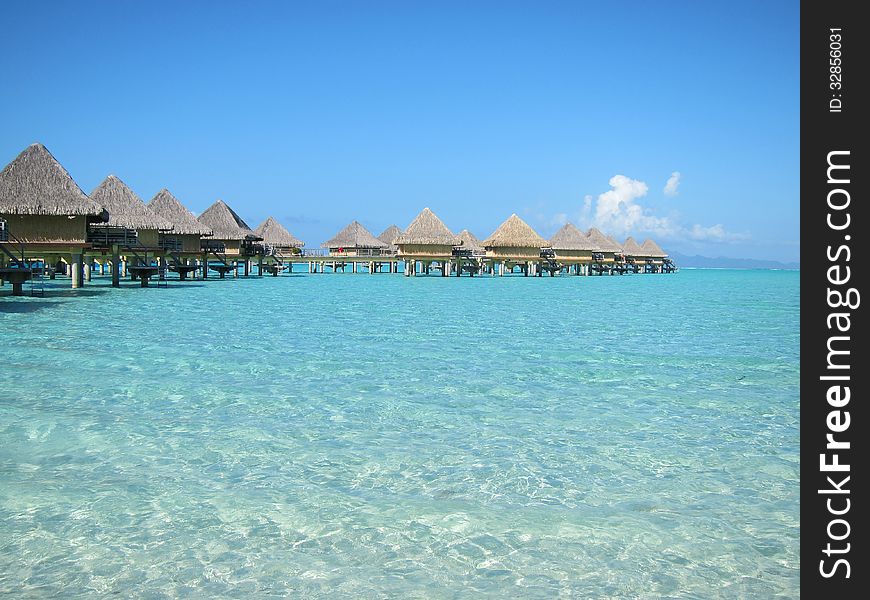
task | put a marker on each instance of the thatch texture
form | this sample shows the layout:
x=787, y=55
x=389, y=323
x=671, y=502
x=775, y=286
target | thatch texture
x=653, y=250
x=354, y=236
x=167, y=206
x=631, y=248
x=275, y=234
x=389, y=235
x=602, y=243
x=469, y=240
x=427, y=230
x=34, y=183
x=570, y=238
x=515, y=233
x=126, y=209
x=613, y=241
x=224, y=222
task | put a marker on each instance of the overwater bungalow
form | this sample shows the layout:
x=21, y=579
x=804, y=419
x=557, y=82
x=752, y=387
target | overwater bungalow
x=133, y=230
x=184, y=242
x=229, y=230
x=427, y=242
x=469, y=255
x=355, y=241
x=128, y=211
x=389, y=235
x=656, y=260
x=604, y=252
x=633, y=254
x=232, y=239
x=572, y=249
x=471, y=243
x=186, y=232
x=515, y=243
x=277, y=239
x=45, y=214
x=619, y=265
x=280, y=245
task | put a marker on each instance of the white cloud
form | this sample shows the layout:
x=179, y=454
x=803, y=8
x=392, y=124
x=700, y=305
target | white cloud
x=587, y=209
x=714, y=233
x=672, y=184
x=559, y=219
x=618, y=212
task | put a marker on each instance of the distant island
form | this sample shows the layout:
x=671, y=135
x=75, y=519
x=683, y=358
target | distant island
x=723, y=262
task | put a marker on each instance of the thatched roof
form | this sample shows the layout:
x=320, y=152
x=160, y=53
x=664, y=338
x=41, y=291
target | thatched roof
x=469, y=240
x=651, y=249
x=126, y=209
x=34, y=183
x=602, y=243
x=631, y=247
x=613, y=241
x=389, y=235
x=167, y=206
x=515, y=233
x=276, y=234
x=427, y=229
x=224, y=222
x=354, y=236
x=570, y=238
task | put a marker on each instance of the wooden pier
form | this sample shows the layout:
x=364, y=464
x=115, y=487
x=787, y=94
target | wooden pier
x=48, y=226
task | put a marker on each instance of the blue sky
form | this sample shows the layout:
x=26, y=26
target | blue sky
x=323, y=112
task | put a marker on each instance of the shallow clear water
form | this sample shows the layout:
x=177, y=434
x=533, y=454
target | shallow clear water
x=375, y=436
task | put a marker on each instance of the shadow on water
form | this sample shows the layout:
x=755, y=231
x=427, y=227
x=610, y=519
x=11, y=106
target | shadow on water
x=25, y=307
x=78, y=293
x=178, y=285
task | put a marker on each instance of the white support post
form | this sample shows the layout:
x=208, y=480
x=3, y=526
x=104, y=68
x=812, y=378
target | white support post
x=76, y=270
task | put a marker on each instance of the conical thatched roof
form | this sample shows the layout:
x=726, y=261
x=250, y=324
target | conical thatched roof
x=631, y=247
x=126, y=209
x=427, y=229
x=613, y=241
x=224, y=222
x=167, y=206
x=276, y=234
x=602, y=243
x=515, y=233
x=354, y=236
x=389, y=235
x=469, y=240
x=34, y=183
x=651, y=249
x=570, y=238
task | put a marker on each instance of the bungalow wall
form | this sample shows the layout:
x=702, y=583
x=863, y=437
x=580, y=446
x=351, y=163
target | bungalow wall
x=353, y=252
x=573, y=255
x=47, y=228
x=190, y=242
x=148, y=237
x=233, y=247
x=426, y=250
x=513, y=253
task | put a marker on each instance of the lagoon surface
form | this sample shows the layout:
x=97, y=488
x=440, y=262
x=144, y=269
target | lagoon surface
x=372, y=435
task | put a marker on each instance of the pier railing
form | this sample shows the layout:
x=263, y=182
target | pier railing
x=350, y=254
x=468, y=253
x=212, y=246
x=170, y=243
x=111, y=235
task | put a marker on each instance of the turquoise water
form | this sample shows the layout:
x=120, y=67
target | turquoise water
x=371, y=436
